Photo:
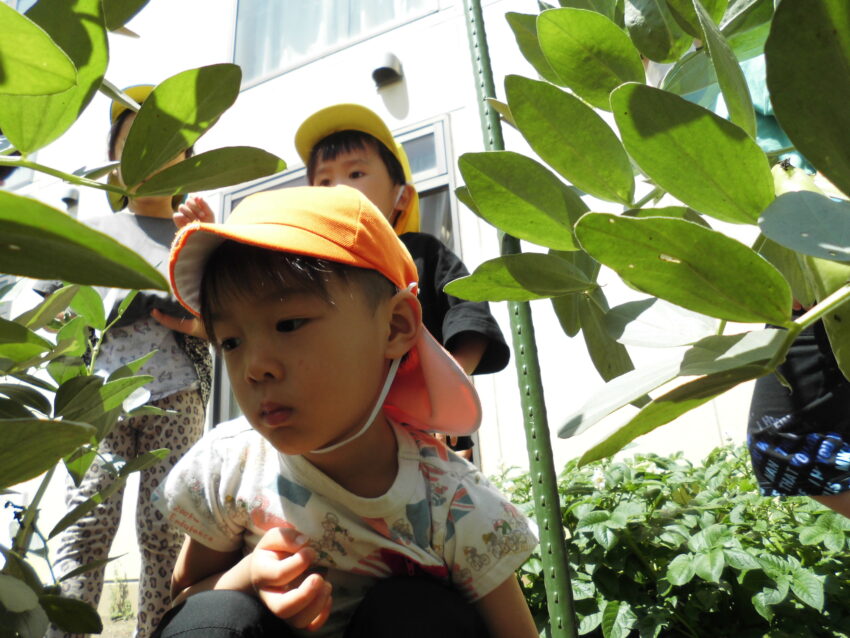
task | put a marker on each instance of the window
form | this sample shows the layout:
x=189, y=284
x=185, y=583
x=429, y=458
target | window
x=427, y=153
x=272, y=35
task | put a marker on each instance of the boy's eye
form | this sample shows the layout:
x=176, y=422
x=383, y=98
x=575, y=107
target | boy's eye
x=288, y=325
x=229, y=344
x=323, y=182
x=356, y=174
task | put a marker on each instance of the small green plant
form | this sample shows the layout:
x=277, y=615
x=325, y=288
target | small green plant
x=121, y=607
x=660, y=547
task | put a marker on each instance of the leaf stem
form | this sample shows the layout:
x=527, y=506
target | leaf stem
x=653, y=194
x=67, y=177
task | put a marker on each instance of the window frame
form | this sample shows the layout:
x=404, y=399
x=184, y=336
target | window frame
x=331, y=50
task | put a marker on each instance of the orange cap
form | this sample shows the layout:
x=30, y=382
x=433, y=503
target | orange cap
x=430, y=391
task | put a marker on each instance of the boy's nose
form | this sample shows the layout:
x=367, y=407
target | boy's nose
x=263, y=366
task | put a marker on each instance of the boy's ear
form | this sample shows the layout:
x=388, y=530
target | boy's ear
x=405, y=322
x=406, y=195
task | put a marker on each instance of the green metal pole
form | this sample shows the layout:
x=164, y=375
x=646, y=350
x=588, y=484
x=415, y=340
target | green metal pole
x=556, y=575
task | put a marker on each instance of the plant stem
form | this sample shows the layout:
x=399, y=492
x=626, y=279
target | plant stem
x=653, y=194
x=22, y=538
x=72, y=179
x=826, y=306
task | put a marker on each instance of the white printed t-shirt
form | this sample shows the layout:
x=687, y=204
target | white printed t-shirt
x=440, y=517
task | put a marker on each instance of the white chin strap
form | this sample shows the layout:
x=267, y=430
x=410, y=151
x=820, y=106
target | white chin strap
x=378, y=405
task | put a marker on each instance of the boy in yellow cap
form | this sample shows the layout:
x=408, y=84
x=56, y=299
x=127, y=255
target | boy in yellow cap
x=329, y=508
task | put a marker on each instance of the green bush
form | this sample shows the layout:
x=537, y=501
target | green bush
x=661, y=547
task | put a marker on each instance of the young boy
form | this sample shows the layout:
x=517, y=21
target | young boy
x=351, y=145
x=333, y=511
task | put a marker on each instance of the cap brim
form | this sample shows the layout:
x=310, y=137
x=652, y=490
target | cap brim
x=431, y=392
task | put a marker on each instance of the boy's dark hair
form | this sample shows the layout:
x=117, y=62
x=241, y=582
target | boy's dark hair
x=242, y=271
x=116, y=128
x=330, y=147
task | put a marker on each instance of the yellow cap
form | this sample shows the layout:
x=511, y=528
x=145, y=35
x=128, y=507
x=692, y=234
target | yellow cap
x=354, y=117
x=139, y=93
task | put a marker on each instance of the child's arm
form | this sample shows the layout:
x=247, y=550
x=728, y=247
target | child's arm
x=506, y=613
x=467, y=349
x=274, y=572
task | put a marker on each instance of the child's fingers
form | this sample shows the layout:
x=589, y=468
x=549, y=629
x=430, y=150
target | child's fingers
x=272, y=569
x=290, y=603
x=180, y=218
x=192, y=327
x=312, y=615
x=204, y=211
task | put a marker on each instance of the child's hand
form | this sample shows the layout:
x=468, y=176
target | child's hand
x=193, y=327
x=278, y=566
x=194, y=209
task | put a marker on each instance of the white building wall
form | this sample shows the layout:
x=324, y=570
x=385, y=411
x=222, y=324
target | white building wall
x=438, y=82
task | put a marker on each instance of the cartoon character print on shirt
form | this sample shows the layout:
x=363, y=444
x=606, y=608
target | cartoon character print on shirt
x=510, y=534
x=332, y=534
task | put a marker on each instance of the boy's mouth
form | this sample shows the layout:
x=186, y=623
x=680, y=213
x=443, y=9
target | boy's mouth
x=274, y=414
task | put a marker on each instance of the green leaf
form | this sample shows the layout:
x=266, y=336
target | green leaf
x=120, y=12
x=45, y=312
x=520, y=277
x=90, y=399
x=32, y=623
x=807, y=587
x=29, y=447
x=812, y=535
x=33, y=122
x=701, y=159
x=709, y=565
x=681, y=569
x=462, y=193
x=32, y=63
x=679, y=212
x=809, y=223
x=611, y=359
x=88, y=567
x=693, y=72
x=43, y=243
x=17, y=343
x=729, y=73
x=519, y=196
x=617, y=619
x=671, y=405
x=589, y=53
x=175, y=115
x=502, y=109
x=611, y=9
x=26, y=395
x=791, y=265
x=618, y=393
x=572, y=138
x=72, y=615
x=89, y=305
x=720, y=353
x=15, y=595
x=131, y=368
x=739, y=559
x=655, y=323
x=524, y=27
x=213, y=169
x=19, y=568
x=654, y=30
x=667, y=258
x=810, y=99
x=684, y=13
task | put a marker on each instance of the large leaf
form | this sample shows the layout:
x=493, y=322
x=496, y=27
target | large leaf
x=589, y=53
x=29, y=447
x=826, y=277
x=703, y=160
x=524, y=27
x=46, y=311
x=810, y=99
x=671, y=405
x=729, y=73
x=667, y=258
x=71, y=615
x=175, y=115
x=809, y=223
x=213, y=169
x=519, y=196
x=654, y=323
x=18, y=343
x=41, y=242
x=684, y=13
x=119, y=12
x=520, y=277
x=32, y=64
x=33, y=122
x=15, y=595
x=611, y=359
x=572, y=138
x=655, y=31
x=566, y=307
